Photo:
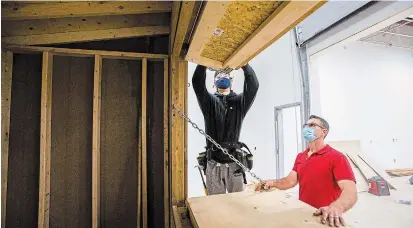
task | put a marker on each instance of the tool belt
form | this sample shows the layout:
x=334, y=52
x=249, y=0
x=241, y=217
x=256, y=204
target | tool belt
x=236, y=149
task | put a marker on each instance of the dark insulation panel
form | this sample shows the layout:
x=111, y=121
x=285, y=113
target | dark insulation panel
x=71, y=154
x=119, y=142
x=24, y=144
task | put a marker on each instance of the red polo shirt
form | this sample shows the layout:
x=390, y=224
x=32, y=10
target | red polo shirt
x=319, y=173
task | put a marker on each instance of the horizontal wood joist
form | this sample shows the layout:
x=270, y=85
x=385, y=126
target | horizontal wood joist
x=83, y=36
x=27, y=10
x=85, y=53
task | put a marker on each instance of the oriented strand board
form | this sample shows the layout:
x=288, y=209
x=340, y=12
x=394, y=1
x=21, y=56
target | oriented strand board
x=251, y=209
x=119, y=142
x=24, y=147
x=71, y=159
x=239, y=21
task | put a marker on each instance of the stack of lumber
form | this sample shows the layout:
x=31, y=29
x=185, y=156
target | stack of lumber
x=400, y=172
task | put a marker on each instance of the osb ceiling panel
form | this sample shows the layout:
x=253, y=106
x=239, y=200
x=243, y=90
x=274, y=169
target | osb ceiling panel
x=238, y=23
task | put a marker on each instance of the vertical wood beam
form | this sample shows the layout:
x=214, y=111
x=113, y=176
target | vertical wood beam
x=178, y=87
x=185, y=15
x=166, y=141
x=96, y=142
x=45, y=140
x=144, y=141
x=6, y=84
x=176, y=7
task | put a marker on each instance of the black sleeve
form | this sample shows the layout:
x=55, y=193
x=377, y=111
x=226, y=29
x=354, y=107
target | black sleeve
x=250, y=88
x=202, y=94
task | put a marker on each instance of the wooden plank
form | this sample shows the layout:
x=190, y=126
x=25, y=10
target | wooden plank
x=166, y=141
x=24, y=11
x=208, y=21
x=361, y=181
x=176, y=7
x=83, y=36
x=379, y=170
x=45, y=140
x=177, y=217
x=177, y=125
x=6, y=83
x=280, y=22
x=85, y=53
x=76, y=24
x=144, y=151
x=185, y=76
x=139, y=189
x=185, y=15
x=96, y=143
x=251, y=209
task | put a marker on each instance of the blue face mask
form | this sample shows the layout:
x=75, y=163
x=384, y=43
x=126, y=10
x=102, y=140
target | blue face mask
x=223, y=83
x=308, y=134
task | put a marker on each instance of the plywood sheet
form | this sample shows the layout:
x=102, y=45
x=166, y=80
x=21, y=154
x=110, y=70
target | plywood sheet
x=24, y=145
x=240, y=20
x=251, y=209
x=119, y=142
x=71, y=157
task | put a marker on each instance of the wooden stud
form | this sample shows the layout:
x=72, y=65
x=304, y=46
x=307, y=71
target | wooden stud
x=185, y=15
x=6, y=84
x=185, y=88
x=83, y=36
x=176, y=7
x=166, y=140
x=96, y=142
x=85, y=53
x=139, y=197
x=144, y=140
x=177, y=125
x=45, y=140
x=77, y=24
x=24, y=11
x=282, y=20
x=177, y=217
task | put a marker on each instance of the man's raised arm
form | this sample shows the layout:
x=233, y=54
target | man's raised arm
x=198, y=82
x=250, y=87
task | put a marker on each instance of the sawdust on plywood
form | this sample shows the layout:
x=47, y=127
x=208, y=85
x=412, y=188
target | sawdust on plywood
x=241, y=19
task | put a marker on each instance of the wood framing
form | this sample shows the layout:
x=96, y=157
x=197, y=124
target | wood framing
x=86, y=53
x=144, y=148
x=218, y=45
x=166, y=141
x=176, y=6
x=178, y=88
x=184, y=19
x=83, y=36
x=23, y=11
x=6, y=85
x=96, y=142
x=177, y=217
x=45, y=140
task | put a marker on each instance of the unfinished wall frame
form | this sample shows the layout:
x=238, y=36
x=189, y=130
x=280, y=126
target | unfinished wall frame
x=46, y=119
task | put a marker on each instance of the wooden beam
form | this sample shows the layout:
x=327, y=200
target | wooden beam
x=176, y=7
x=185, y=15
x=177, y=217
x=144, y=140
x=45, y=140
x=178, y=87
x=77, y=24
x=24, y=11
x=6, y=84
x=83, y=36
x=208, y=21
x=284, y=18
x=166, y=141
x=85, y=53
x=96, y=142
x=139, y=190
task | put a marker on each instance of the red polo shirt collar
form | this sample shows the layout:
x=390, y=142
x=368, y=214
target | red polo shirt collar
x=326, y=148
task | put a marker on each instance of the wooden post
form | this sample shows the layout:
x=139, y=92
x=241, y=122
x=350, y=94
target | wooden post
x=166, y=141
x=178, y=87
x=6, y=83
x=45, y=140
x=96, y=143
x=143, y=138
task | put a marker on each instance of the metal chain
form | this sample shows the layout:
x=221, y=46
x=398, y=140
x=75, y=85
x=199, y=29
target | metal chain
x=217, y=145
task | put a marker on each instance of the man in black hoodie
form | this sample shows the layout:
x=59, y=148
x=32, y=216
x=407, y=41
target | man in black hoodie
x=224, y=112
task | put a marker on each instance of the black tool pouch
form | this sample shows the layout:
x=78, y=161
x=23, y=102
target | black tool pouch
x=202, y=160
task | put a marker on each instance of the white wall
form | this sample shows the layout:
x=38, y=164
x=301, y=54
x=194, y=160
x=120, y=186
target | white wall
x=279, y=78
x=365, y=92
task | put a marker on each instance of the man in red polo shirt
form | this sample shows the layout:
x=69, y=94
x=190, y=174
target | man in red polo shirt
x=326, y=180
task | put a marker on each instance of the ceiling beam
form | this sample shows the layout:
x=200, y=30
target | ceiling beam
x=70, y=37
x=24, y=11
x=185, y=15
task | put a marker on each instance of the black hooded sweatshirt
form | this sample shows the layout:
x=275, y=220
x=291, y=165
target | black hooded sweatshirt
x=224, y=114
